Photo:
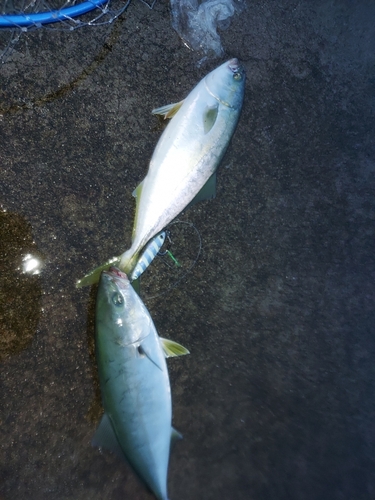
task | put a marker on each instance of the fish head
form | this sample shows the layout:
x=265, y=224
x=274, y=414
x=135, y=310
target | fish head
x=120, y=314
x=227, y=83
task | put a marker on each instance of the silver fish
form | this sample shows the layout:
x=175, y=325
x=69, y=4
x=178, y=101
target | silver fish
x=134, y=382
x=183, y=166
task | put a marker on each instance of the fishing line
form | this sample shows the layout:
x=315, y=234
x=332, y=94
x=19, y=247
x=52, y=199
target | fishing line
x=164, y=250
x=20, y=16
x=189, y=269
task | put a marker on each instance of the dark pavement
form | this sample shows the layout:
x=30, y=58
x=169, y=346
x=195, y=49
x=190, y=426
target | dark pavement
x=277, y=399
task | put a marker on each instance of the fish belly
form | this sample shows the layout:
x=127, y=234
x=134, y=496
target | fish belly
x=136, y=396
x=183, y=161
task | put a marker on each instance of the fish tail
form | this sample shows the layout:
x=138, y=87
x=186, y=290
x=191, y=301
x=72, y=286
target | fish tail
x=93, y=276
x=126, y=263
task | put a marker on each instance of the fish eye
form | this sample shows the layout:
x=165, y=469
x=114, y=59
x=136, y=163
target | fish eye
x=237, y=76
x=117, y=299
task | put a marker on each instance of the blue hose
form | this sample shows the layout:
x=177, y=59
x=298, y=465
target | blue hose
x=53, y=16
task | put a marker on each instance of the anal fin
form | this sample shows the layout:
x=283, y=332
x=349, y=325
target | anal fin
x=105, y=437
x=208, y=191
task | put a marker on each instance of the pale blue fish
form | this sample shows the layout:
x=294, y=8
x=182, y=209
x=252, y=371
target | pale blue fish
x=183, y=167
x=134, y=382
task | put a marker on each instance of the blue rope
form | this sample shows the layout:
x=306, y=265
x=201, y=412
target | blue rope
x=53, y=16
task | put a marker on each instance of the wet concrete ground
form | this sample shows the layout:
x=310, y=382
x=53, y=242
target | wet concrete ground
x=276, y=400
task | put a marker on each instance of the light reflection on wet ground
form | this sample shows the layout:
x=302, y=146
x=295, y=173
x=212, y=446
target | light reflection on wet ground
x=20, y=286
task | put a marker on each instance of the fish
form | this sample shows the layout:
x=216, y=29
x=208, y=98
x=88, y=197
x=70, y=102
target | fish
x=183, y=166
x=134, y=382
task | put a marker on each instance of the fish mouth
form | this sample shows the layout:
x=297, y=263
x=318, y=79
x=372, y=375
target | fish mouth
x=115, y=274
x=234, y=65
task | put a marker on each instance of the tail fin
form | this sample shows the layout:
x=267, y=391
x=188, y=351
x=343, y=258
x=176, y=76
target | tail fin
x=126, y=263
x=94, y=275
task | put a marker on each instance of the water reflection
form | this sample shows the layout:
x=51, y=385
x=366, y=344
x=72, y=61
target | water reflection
x=32, y=264
x=20, y=287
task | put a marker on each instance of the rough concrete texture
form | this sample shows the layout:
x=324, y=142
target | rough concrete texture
x=276, y=400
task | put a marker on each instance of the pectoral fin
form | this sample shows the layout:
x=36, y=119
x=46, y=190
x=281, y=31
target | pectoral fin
x=172, y=349
x=209, y=118
x=168, y=111
x=94, y=275
x=143, y=350
x=105, y=437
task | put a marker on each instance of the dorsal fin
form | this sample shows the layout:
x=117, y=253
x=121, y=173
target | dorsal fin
x=175, y=436
x=137, y=195
x=169, y=110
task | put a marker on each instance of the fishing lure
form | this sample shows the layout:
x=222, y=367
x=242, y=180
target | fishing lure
x=150, y=252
